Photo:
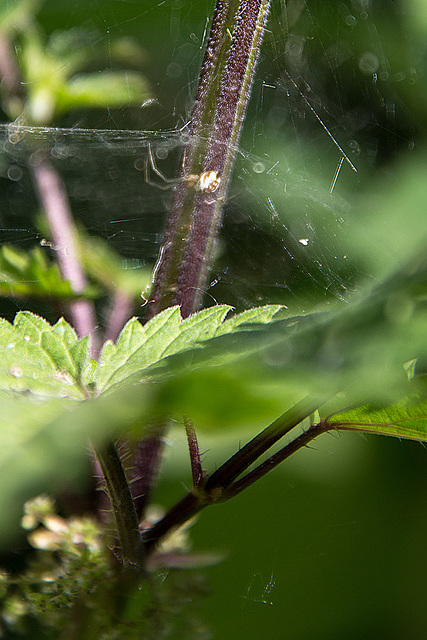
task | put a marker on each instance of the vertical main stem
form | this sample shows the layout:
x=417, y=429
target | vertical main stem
x=221, y=99
x=122, y=505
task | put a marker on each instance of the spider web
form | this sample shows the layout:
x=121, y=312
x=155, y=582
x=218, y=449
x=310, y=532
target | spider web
x=305, y=154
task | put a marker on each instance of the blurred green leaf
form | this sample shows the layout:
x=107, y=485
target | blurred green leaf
x=44, y=443
x=103, y=89
x=14, y=14
x=24, y=273
x=417, y=14
x=49, y=70
x=104, y=265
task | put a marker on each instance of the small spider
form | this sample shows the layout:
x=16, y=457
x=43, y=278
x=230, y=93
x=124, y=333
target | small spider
x=206, y=182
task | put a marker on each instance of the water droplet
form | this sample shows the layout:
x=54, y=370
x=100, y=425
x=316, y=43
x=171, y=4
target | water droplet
x=161, y=153
x=174, y=70
x=139, y=164
x=14, y=173
x=368, y=63
x=351, y=21
x=258, y=167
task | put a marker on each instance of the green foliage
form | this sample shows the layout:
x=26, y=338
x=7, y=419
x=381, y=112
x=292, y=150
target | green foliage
x=14, y=15
x=54, y=69
x=54, y=88
x=220, y=372
x=44, y=360
x=223, y=373
x=405, y=418
x=31, y=274
x=140, y=347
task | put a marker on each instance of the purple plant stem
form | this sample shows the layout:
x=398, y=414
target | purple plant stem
x=146, y=465
x=192, y=503
x=58, y=213
x=10, y=76
x=220, y=105
x=119, y=313
x=195, y=217
x=193, y=447
x=223, y=484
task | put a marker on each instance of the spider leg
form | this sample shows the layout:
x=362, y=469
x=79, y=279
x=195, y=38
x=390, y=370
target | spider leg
x=151, y=162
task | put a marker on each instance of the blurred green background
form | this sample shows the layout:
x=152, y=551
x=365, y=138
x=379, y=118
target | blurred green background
x=332, y=545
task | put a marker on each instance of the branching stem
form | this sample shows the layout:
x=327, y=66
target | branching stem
x=194, y=219
x=223, y=484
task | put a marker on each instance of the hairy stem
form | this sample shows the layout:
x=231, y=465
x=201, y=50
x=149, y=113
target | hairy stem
x=146, y=464
x=122, y=504
x=301, y=441
x=242, y=459
x=192, y=503
x=221, y=485
x=193, y=448
x=220, y=104
x=222, y=95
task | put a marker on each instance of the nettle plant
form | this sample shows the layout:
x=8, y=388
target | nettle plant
x=68, y=385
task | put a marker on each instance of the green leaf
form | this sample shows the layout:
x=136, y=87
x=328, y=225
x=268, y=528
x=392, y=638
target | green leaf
x=258, y=315
x=104, y=89
x=404, y=419
x=30, y=273
x=49, y=70
x=360, y=347
x=15, y=13
x=140, y=347
x=44, y=443
x=41, y=359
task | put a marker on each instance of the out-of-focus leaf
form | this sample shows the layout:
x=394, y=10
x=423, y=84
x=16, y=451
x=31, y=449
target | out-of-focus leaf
x=105, y=89
x=30, y=273
x=50, y=69
x=14, y=14
x=44, y=443
x=104, y=266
